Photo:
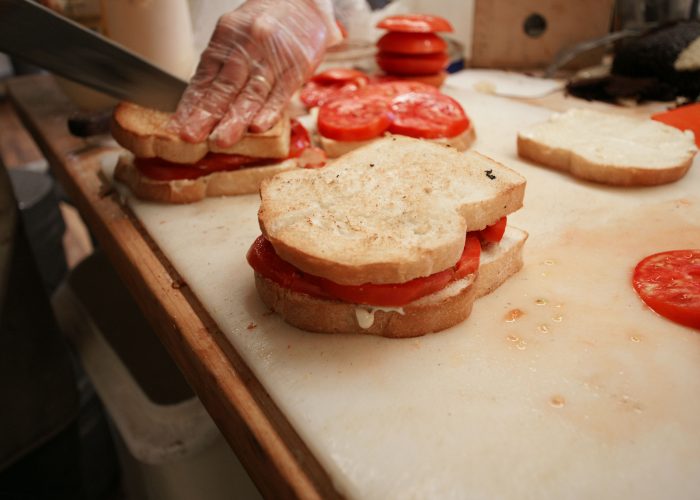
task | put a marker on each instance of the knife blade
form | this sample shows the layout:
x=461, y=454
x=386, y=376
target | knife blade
x=38, y=35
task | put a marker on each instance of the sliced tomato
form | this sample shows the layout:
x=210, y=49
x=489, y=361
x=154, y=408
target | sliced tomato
x=427, y=115
x=314, y=94
x=163, y=170
x=354, y=119
x=684, y=118
x=494, y=232
x=412, y=64
x=411, y=43
x=669, y=283
x=415, y=23
x=390, y=87
x=327, y=85
x=334, y=76
x=263, y=259
x=299, y=139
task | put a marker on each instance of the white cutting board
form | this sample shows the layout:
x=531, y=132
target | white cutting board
x=587, y=395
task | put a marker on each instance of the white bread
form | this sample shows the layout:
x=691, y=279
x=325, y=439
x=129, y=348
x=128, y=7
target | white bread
x=224, y=183
x=389, y=212
x=432, y=313
x=335, y=149
x=143, y=131
x=609, y=149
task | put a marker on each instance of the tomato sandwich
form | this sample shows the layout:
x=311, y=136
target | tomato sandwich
x=160, y=166
x=394, y=239
x=407, y=108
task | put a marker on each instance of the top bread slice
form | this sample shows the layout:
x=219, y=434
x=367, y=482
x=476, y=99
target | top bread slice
x=394, y=210
x=143, y=131
x=608, y=148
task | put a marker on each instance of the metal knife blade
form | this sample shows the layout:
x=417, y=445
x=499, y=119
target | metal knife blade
x=36, y=34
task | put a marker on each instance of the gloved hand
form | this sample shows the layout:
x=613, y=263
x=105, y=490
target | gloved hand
x=257, y=57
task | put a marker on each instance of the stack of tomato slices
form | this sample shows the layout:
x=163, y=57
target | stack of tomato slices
x=263, y=259
x=163, y=170
x=400, y=107
x=411, y=48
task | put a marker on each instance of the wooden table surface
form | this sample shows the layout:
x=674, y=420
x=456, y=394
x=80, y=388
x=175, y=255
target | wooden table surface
x=277, y=460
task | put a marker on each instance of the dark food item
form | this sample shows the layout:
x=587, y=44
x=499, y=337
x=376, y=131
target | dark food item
x=643, y=68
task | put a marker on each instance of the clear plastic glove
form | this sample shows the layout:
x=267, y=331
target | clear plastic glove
x=258, y=56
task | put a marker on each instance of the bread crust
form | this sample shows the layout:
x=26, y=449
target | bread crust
x=144, y=132
x=332, y=316
x=226, y=183
x=336, y=149
x=568, y=158
x=340, y=223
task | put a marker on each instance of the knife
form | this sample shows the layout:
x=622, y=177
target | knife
x=38, y=35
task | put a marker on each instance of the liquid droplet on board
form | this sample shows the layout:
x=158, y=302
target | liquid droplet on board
x=513, y=315
x=557, y=401
x=541, y=302
x=558, y=318
x=634, y=338
x=543, y=328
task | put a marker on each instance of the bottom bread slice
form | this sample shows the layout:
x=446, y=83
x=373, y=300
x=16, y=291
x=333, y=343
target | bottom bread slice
x=431, y=313
x=224, y=183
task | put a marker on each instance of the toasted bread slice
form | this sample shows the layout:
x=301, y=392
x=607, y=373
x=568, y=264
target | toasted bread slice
x=609, y=149
x=389, y=212
x=335, y=149
x=224, y=183
x=432, y=313
x=144, y=132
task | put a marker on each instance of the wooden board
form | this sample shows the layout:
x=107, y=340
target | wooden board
x=500, y=40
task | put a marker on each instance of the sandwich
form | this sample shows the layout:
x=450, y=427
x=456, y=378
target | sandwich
x=396, y=239
x=160, y=166
x=609, y=148
x=352, y=119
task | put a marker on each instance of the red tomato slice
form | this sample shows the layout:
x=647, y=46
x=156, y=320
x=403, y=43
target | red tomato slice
x=414, y=64
x=683, y=118
x=427, y=115
x=163, y=170
x=341, y=76
x=314, y=94
x=389, y=87
x=263, y=259
x=415, y=23
x=411, y=43
x=669, y=283
x=299, y=139
x=494, y=232
x=357, y=118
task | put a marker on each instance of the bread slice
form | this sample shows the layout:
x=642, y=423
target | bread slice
x=432, y=313
x=608, y=148
x=335, y=149
x=224, y=183
x=144, y=132
x=394, y=210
